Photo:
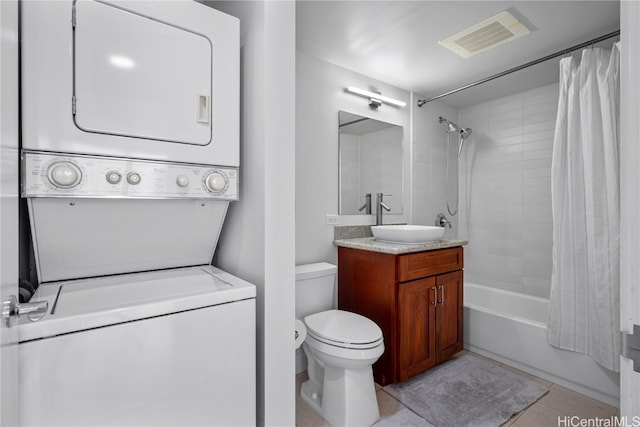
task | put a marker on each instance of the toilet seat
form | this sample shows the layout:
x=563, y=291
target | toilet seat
x=344, y=329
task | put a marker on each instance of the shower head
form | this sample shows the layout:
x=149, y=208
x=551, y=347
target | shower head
x=464, y=134
x=452, y=127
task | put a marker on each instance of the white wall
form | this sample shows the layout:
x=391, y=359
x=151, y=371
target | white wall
x=319, y=96
x=257, y=243
x=505, y=191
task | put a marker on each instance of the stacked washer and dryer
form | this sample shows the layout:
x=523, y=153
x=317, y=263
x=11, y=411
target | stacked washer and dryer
x=130, y=158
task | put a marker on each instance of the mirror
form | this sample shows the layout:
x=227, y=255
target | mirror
x=370, y=162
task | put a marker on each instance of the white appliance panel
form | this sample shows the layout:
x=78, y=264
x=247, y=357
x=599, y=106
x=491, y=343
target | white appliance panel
x=48, y=82
x=113, y=91
x=191, y=368
x=112, y=178
x=84, y=237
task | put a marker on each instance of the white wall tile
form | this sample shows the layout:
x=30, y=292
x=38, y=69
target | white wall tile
x=505, y=183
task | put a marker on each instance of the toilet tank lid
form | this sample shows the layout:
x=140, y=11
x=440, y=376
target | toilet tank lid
x=311, y=271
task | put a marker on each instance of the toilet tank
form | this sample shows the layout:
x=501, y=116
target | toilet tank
x=315, y=288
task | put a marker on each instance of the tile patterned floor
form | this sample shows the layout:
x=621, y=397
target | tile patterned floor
x=559, y=402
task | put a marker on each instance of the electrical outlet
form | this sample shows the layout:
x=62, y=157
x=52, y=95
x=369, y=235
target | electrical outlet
x=332, y=219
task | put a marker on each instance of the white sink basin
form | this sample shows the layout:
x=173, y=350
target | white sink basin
x=407, y=234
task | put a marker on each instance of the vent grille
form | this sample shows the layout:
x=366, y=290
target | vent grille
x=485, y=37
x=489, y=33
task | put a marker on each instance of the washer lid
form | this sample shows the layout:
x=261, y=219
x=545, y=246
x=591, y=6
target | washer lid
x=343, y=327
x=78, y=305
x=109, y=293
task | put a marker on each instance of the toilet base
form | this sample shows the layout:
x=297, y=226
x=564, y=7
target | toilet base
x=346, y=398
x=312, y=395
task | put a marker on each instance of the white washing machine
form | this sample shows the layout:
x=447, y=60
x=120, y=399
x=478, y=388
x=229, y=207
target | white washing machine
x=163, y=348
x=139, y=329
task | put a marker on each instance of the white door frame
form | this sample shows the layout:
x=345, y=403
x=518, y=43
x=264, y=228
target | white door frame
x=9, y=160
x=629, y=198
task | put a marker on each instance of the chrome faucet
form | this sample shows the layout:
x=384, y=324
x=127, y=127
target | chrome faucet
x=379, y=206
x=442, y=221
x=367, y=204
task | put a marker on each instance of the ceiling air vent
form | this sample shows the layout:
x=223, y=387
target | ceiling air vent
x=498, y=29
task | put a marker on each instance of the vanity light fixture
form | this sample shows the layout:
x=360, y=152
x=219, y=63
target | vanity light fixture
x=375, y=99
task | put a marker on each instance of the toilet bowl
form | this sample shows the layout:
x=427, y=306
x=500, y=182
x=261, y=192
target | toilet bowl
x=340, y=349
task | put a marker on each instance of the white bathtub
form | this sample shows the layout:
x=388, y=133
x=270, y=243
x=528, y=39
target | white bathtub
x=512, y=328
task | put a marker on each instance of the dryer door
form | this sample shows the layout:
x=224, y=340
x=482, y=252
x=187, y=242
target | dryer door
x=140, y=77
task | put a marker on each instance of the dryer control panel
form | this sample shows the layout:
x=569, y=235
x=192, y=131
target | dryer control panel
x=60, y=175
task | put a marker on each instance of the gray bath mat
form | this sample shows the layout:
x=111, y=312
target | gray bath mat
x=466, y=391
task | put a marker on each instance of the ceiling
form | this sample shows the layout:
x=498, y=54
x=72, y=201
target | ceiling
x=397, y=41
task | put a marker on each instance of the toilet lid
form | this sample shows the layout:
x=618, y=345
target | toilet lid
x=343, y=327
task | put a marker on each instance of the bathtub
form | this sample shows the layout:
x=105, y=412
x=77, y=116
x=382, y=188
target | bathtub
x=512, y=328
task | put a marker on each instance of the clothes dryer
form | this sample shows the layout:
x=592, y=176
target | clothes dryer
x=136, y=79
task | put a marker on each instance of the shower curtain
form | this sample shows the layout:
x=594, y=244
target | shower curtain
x=584, y=303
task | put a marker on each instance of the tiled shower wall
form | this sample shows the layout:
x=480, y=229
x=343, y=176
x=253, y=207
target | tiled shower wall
x=505, y=191
x=428, y=164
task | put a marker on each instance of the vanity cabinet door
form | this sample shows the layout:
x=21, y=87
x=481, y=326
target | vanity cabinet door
x=449, y=311
x=416, y=318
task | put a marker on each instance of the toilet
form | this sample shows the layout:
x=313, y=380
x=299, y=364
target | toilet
x=340, y=348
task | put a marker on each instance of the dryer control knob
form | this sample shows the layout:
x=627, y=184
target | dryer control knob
x=182, y=180
x=133, y=178
x=216, y=182
x=64, y=174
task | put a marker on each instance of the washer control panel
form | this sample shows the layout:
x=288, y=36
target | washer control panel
x=55, y=175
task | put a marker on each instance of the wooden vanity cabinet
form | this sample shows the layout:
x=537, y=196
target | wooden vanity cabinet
x=415, y=298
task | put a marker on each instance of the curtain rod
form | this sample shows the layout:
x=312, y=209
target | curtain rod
x=421, y=102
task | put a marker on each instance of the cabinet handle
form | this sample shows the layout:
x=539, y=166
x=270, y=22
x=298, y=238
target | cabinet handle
x=441, y=300
x=435, y=296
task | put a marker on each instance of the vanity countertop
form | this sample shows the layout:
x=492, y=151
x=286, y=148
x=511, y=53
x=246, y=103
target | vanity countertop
x=371, y=244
